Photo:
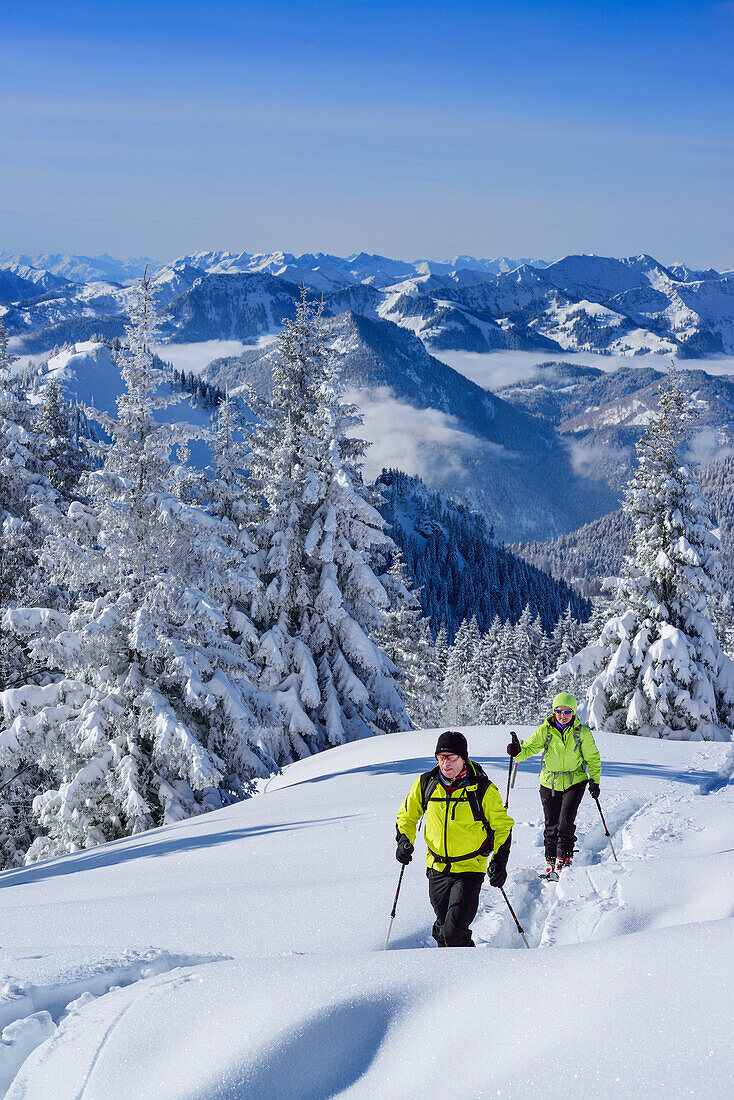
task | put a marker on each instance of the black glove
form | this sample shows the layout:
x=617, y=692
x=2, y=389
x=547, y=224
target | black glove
x=497, y=870
x=593, y=789
x=513, y=748
x=496, y=874
x=404, y=853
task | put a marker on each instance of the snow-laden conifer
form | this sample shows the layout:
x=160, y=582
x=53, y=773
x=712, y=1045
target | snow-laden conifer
x=568, y=637
x=151, y=716
x=441, y=646
x=319, y=544
x=504, y=696
x=62, y=448
x=30, y=477
x=404, y=636
x=661, y=671
x=529, y=644
x=459, y=705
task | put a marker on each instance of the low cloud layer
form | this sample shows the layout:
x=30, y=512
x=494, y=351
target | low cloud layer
x=424, y=442
x=197, y=357
x=587, y=459
x=705, y=446
x=495, y=369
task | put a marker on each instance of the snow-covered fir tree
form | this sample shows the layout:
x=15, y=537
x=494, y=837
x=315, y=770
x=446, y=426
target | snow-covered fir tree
x=63, y=449
x=661, y=671
x=151, y=715
x=406, y=639
x=484, y=663
x=471, y=674
x=504, y=696
x=459, y=705
x=529, y=642
x=463, y=675
x=319, y=545
x=568, y=637
x=31, y=478
x=441, y=646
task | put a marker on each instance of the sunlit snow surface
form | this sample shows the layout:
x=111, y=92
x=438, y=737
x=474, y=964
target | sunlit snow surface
x=247, y=946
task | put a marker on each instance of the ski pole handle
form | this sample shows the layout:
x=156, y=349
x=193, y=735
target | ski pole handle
x=510, y=780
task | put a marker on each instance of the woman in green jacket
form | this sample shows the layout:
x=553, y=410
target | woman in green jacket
x=570, y=757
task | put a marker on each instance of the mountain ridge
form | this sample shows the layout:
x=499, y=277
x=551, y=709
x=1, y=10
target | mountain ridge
x=625, y=306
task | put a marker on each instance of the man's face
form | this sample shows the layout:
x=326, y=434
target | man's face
x=450, y=764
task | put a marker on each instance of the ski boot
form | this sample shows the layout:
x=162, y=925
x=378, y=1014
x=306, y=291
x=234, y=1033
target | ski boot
x=550, y=870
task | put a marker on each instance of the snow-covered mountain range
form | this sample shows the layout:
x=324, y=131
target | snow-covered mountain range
x=579, y=303
x=84, y=269
x=540, y=457
x=19, y=282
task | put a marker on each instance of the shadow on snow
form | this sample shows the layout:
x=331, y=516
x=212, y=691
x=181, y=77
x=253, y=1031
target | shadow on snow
x=146, y=845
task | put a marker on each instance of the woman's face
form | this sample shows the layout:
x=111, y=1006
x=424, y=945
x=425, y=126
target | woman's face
x=563, y=715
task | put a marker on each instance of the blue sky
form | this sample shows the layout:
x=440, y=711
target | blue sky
x=419, y=129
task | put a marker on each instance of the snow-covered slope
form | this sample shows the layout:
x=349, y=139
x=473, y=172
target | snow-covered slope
x=241, y=954
x=89, y=375
x=21, y=281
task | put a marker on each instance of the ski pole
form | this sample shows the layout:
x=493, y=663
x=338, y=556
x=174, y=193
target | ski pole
x=514, y=775
x=606, y=831
x=509, y=777
x=517, y=922
x=394, y=905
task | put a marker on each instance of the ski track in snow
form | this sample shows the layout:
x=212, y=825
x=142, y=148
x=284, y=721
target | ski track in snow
x=575, y=904
x=572, y=909
x=22, y=1031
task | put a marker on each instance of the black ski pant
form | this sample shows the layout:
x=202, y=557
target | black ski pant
x=560, y=811
x=455, y=900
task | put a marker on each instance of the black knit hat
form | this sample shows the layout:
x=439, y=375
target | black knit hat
x=452, y=741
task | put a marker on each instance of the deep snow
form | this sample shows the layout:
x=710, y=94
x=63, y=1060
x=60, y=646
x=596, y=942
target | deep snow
x=247, y=945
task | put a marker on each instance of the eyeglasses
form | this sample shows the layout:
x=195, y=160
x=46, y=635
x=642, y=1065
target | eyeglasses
x=446, y=758
x=563, y=710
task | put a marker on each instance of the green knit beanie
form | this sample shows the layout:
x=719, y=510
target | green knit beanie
x=563, y=699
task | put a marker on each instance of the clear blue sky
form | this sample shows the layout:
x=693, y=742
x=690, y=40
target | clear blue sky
x=409, y=127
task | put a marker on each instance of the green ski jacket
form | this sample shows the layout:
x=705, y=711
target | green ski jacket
x=571, y=756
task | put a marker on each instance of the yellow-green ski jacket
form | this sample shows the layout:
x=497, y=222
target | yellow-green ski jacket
x=451, y=829
x=564, y=764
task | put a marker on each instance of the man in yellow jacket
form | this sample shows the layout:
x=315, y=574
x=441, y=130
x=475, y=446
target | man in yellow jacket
x=570, y=756
x=465, y=821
